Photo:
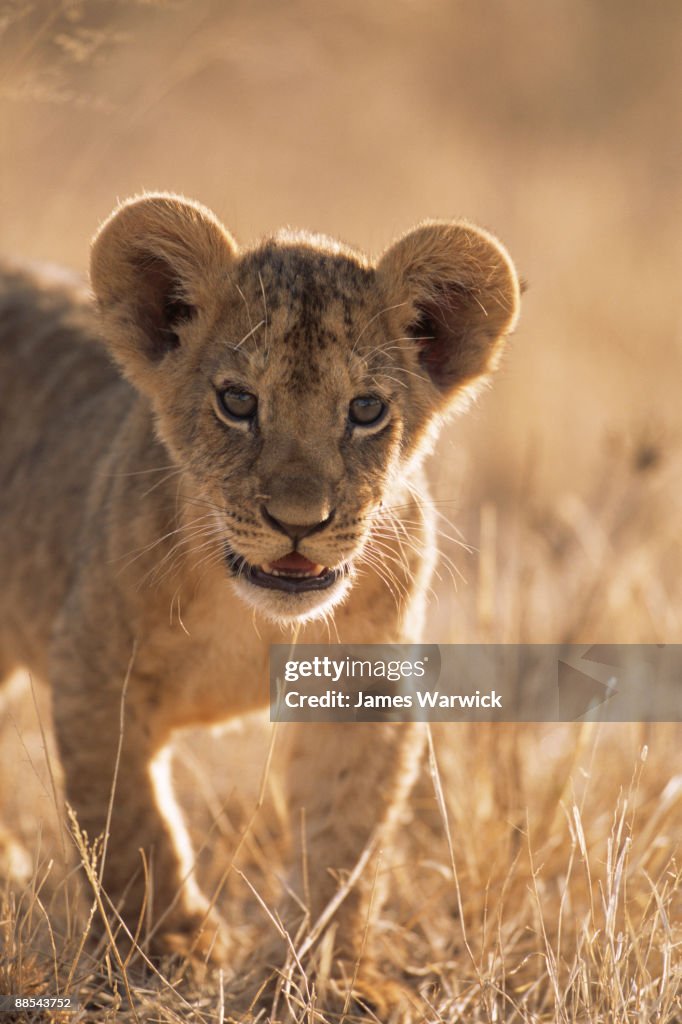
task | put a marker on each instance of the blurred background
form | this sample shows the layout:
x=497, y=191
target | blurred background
x=555, y=125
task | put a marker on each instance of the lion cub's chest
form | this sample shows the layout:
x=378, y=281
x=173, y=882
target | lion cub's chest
x=210, y=659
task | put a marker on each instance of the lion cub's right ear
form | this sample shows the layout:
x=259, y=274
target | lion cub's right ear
x=157, y=265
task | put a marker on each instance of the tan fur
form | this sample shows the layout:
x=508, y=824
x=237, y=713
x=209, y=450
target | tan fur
x=120, y=495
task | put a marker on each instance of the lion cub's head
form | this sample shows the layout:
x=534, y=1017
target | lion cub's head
x=297, y=382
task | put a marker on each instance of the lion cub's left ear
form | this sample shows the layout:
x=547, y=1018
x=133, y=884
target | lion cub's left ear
x=456, y=292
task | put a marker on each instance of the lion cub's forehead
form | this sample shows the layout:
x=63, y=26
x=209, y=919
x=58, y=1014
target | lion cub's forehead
x=311, y=295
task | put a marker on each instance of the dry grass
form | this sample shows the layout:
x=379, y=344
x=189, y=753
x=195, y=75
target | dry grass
x=539, y=880
x=539, y=883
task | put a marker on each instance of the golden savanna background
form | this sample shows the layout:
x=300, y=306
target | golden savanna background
x=539, y=880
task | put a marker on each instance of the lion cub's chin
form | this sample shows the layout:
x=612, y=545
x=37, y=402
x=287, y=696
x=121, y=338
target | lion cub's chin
x=279, y=606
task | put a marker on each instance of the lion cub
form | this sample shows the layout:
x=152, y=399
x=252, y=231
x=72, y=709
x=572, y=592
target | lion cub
x=248, y=460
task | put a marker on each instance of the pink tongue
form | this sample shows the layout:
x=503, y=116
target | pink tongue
x=293, y=562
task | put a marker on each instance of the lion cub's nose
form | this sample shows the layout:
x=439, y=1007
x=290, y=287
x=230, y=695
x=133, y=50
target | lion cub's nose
x=297, y=531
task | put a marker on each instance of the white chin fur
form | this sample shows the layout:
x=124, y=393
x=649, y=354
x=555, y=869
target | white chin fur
x=278, y=606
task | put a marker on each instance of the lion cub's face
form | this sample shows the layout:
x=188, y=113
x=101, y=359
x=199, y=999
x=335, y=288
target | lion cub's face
x=296, y=382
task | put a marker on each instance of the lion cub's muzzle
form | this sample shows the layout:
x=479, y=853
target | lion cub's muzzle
x=293, y=573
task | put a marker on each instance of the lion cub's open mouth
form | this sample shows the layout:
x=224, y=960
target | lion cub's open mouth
x=294, y=573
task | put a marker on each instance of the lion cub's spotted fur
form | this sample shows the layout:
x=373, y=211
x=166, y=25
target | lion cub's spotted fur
x=122, y=495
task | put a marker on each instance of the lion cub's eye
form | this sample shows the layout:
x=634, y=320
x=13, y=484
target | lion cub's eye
x=238, y=404
x=366, y=410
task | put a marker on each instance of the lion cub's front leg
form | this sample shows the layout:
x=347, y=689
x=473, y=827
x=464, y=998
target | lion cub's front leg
x=108, y=749
x=351, y=781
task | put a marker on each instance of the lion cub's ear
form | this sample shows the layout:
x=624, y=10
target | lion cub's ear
x=157, y=264
x=455, y=291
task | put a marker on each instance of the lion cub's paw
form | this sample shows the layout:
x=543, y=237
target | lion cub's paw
x=203, y=938
x=375, y=996
x=351, y=994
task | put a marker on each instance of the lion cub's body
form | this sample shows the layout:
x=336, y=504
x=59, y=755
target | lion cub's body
x=139, y=522
x=51, y=377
